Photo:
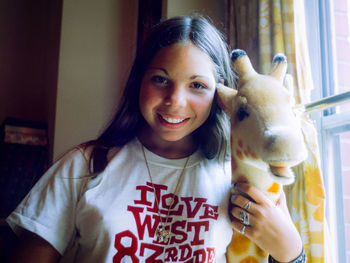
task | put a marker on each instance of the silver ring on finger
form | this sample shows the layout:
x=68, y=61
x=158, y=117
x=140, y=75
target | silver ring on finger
x=242, y=230
x=247, y=205
x=244, y=217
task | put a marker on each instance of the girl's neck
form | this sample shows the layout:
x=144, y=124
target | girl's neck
x=167, y=149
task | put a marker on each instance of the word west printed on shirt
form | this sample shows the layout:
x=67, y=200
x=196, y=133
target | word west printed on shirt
x=196, y=214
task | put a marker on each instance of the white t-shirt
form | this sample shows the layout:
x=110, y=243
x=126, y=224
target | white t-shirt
x=113, y=217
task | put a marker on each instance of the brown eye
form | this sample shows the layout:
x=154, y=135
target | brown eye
x=198, y=86
x=242, y=113
x=159, y=80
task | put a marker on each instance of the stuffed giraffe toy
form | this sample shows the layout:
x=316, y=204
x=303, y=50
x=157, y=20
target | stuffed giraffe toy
x=266, y=138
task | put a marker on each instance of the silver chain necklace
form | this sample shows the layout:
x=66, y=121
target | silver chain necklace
x=163, y=234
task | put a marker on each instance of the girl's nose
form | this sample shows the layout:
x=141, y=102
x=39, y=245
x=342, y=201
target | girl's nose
x=176, y=96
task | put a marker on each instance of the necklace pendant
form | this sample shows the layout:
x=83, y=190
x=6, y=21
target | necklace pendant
x=163, y=235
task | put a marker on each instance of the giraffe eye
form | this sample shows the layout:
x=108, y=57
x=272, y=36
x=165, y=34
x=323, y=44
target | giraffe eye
x=242, y=113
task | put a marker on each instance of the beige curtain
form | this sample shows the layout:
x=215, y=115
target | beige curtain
x=242, y=24
x=267, y=27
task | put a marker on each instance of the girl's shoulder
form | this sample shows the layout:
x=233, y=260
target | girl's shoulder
x=75, y=162
x=79, y=153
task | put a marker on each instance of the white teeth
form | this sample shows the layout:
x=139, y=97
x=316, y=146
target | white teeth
x=172, y=120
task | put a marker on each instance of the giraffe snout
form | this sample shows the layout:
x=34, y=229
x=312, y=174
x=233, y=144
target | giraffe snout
x=284, y=144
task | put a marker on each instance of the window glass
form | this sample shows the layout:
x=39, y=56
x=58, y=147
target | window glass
x=341, y=31
x=344, y=139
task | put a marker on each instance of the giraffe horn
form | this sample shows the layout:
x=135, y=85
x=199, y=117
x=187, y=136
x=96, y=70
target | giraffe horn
x=242, y=64
x=279, y=67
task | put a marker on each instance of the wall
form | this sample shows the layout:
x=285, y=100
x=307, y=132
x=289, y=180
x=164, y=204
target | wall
x=29, y=32
x=98, y=40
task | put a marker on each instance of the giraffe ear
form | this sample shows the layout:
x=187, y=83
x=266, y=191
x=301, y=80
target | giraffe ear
x=242, y=64
x=225, y=97
x=279, y=67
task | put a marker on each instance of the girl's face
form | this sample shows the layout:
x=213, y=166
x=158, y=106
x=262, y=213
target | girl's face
x=176, y=93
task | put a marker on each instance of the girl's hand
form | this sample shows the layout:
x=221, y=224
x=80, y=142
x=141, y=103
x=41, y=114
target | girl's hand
x=270, y=225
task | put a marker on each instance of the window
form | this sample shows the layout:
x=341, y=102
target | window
x=328, y=29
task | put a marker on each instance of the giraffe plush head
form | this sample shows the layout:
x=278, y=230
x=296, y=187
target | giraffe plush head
x=264, y=128
x=266, y=137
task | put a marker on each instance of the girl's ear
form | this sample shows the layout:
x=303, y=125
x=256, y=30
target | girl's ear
x=225, y=97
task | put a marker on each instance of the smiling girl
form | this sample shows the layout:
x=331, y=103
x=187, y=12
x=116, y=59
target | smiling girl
x=155, y=185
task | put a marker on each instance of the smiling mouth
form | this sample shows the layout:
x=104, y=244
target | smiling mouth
x=172, y=120
x=172, y=123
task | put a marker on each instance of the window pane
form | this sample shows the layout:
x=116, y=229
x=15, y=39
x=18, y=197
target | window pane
x=345, y=169
x=342, y=43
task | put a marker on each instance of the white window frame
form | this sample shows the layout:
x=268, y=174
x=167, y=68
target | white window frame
x=329, y=124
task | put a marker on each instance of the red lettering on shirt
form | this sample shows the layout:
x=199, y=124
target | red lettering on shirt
x=211, y=255
x=158, y=250
x=125, y=251
x=157, y=188
x=173, y=201
x=144, y=190
x=210, y=211
x=200, y=256
x=188, y=234
x=171, y=254
x=185, y=252
x=197, y=226
x=147, y=222
x=199, y=201
x=176, y=228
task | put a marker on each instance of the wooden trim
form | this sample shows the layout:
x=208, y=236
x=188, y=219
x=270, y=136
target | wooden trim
x=150, y=14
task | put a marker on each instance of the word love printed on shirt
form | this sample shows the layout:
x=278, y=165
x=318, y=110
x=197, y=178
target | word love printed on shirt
x=187, y=240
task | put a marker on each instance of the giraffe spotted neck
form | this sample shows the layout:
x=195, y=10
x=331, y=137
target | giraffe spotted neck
x=266, y=138
x=246, y=164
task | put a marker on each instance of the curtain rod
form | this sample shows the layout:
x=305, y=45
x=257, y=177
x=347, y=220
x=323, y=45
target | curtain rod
x=328, y=102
